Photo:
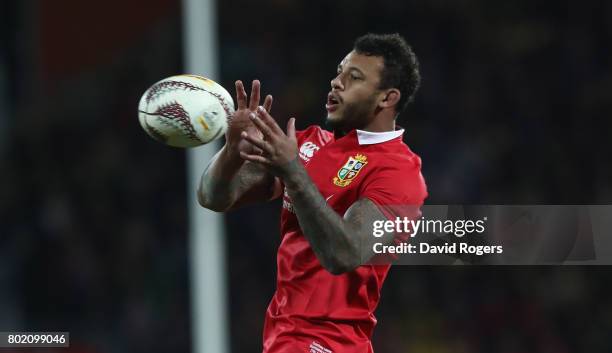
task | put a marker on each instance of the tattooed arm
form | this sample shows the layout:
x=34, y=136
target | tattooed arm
x=228, y=181
x=340, y=243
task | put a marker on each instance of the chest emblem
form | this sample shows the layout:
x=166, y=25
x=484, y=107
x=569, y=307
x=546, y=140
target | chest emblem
x=350, y=169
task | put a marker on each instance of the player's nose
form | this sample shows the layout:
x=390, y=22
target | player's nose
x=336, y=83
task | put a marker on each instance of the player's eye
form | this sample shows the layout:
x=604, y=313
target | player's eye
x=355, y=77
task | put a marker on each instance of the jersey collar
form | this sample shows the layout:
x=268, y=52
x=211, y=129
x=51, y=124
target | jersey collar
x=371, y=138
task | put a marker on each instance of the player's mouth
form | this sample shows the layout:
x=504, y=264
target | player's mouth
x=333, y=101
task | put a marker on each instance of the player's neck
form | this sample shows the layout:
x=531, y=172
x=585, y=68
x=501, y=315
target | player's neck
x=380, y=124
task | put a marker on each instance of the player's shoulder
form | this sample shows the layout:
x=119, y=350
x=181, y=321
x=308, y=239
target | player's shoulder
x=311, y=140
x=397, y=156
x=314, y=135
x=314, y=132
x=409, y=157
x=396, y=167
x=393, y=176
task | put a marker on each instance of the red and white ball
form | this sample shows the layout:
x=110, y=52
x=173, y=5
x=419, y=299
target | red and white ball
x=185, y=110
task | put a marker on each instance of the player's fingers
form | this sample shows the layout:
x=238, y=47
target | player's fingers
x=254, y=158
x=257, y=150
x=291, y=129
x=269, y=120
x=255, y=88
x=268, y=103
x=263, y=127
x=257, y=142
x=241, y=98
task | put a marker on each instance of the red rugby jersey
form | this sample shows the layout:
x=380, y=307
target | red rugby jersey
x=313, y=310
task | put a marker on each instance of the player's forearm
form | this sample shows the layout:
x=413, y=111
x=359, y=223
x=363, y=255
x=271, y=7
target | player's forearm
x=215, y=190
x=229, y=182
x=328, y=233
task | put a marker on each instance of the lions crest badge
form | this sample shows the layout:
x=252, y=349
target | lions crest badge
x=350, y=169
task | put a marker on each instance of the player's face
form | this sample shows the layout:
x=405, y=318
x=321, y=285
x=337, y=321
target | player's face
x=352, y=102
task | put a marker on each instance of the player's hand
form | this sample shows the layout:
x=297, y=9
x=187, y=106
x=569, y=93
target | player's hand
x=279, y=149
x=240, y=120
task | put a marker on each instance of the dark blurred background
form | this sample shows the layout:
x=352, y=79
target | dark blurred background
x=514, y=109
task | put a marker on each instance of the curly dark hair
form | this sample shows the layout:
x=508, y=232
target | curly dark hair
x=401, y=68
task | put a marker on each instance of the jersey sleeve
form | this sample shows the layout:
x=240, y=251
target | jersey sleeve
x=398, y=192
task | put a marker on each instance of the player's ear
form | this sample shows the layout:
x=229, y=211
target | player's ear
x=390, y=98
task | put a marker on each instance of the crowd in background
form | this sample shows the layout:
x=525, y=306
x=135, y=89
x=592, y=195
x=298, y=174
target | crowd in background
x=513, y=109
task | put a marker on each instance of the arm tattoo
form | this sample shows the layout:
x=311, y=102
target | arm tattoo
x=341, y=244
x=229, y=183
x=252, y=183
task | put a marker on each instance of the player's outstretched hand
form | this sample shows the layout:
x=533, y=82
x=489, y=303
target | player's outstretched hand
x=279, y=149
x=240, y=120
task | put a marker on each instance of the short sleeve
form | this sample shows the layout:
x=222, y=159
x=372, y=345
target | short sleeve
x=398, y=190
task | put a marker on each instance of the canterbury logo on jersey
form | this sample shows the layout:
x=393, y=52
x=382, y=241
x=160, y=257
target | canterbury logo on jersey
x=316, y=347
x=307, y=150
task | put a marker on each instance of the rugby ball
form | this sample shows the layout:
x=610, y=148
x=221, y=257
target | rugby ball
x=185, y=110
